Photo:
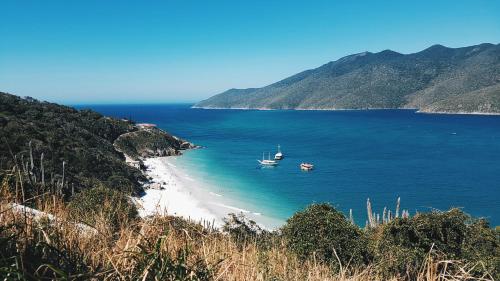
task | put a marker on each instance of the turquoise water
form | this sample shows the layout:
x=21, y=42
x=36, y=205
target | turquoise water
x=430, y=161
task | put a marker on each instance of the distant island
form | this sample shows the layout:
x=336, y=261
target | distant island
x=436, y=80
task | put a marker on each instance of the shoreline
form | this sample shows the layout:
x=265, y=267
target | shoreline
x=188, y=197
x=171, y=194
x=416, y=110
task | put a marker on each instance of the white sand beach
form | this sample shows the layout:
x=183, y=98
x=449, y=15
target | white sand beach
x=174, y=192
x=177, y=194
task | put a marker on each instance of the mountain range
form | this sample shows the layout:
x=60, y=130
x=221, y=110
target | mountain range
x=438, y=80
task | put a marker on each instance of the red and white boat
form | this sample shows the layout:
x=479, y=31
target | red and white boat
x=306, y=166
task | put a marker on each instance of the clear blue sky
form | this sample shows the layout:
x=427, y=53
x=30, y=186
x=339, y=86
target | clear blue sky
x=163, y=51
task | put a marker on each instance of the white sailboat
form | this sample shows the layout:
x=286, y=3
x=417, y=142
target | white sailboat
x=279, y=155
x=267, y=162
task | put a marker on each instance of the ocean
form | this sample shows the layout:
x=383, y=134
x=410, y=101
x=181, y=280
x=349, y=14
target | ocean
x=430, y=161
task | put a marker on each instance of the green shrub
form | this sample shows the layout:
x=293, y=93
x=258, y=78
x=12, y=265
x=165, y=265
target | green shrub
x=324, y=231
x=403, y=244
x=482, y=245
x=100, y=202
x=121, y=184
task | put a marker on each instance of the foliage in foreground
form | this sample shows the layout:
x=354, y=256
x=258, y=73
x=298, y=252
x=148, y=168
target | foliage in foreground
x=97, y=235
x=322, y=231
x=400, y=246
x=101, y=204
x=318, y=243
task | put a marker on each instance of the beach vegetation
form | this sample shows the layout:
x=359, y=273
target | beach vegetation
x=402, y=244
x=102, y=205
x=323, y=232
x=171, y=248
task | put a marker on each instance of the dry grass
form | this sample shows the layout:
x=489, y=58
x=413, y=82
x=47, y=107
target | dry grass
x=167, y=248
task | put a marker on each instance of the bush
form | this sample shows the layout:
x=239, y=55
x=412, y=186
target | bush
x=121, y=184
x=322, y=230
x=404, y=243
x=482, y=244
x=101, y=203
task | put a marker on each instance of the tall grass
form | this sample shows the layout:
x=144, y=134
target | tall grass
x=46, y=241
x=162, y=248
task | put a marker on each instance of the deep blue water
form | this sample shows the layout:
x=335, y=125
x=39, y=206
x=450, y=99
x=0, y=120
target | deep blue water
x=430, y=161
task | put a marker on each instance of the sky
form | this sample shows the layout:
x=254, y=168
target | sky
x=93, y=51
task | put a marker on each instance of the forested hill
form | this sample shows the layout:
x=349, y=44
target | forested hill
x=83, y=140
x=437, y=79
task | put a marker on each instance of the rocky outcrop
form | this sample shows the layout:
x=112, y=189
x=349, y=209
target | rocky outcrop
x=150, y=142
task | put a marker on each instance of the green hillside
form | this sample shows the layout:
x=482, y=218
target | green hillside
x=81, y=139
x=437, y=79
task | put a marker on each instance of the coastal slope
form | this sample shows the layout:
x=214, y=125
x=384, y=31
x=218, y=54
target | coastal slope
x=76, y=149
x=437, y=79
